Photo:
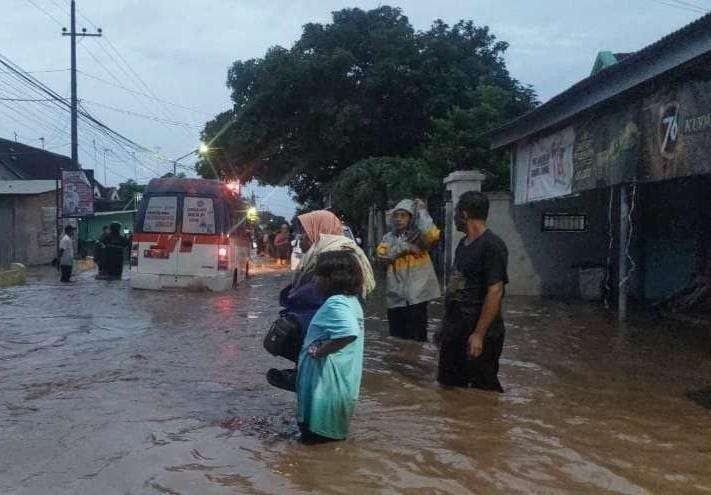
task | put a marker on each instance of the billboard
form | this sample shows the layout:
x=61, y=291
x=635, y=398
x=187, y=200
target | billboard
x=606, y=149
x=544, y=167
x=677, y=129
x=77, y=194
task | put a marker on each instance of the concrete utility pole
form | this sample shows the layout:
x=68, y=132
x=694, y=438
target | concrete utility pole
x=74, y=103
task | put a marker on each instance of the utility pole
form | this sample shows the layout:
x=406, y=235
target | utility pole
x=74, y=103
x=106, y=183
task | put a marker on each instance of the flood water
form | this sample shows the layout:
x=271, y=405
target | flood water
x=107, y=390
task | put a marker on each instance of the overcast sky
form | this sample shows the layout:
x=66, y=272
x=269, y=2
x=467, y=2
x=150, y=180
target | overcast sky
x=181, y=50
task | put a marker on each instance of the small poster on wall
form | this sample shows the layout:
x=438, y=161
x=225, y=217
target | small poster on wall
x=544, y=167
x=77, y=194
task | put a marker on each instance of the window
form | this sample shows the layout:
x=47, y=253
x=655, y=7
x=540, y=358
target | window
x=198, y=216
x=564, y=222
x=160, y=214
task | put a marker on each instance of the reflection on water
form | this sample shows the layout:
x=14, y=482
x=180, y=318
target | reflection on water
x=108, y=390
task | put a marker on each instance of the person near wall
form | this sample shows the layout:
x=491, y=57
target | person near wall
x=66, y=254
x=100, y=251
x=321, y=232
x=331, y=359
x=472, y=334
x=116, y=244
x=411, y=279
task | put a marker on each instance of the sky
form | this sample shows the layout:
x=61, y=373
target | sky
x=158, y=73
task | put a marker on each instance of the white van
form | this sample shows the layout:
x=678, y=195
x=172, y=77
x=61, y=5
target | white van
x=190, y=233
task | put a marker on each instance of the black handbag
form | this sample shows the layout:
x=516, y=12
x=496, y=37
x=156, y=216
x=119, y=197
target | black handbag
x=284, y=338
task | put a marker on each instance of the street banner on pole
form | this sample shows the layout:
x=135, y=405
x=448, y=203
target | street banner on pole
x=77, y=194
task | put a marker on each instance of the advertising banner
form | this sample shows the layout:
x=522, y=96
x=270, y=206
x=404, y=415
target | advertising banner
x=677, y=130
x=606, y=150
x=77, y=194
x=544, y=167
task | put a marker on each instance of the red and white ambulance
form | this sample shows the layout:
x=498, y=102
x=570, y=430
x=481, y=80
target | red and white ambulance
x=190, y=233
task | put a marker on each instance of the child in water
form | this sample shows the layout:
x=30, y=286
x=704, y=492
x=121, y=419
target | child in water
x=331, y=359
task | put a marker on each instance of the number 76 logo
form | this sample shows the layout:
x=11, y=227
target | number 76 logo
x=668, y=129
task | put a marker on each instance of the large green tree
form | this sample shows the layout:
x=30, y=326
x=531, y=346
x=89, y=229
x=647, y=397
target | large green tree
x=365, y=85
x=380, y=181
x=127, y=190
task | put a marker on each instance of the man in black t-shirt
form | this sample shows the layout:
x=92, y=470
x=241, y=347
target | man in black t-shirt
x=472, y=335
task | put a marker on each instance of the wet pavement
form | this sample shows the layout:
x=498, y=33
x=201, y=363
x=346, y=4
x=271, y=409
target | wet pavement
x=107, y=390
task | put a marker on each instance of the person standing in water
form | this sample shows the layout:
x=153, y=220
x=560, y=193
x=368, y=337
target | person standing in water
x=472, y=334
x=66, y=254
x=411, y=279
x=321, y=232
x=331, y=359
x=282, y=243
x=116, y=244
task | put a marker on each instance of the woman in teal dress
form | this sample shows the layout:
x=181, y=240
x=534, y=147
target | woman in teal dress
x=331, y=360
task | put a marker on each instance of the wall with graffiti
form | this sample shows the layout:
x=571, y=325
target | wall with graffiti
x=661, y=136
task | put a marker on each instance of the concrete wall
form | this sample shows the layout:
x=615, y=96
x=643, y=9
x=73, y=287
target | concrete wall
x=545, y=263
x=29, y=221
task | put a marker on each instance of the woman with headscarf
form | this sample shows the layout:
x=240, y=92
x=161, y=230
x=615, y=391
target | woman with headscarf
x=322, y=231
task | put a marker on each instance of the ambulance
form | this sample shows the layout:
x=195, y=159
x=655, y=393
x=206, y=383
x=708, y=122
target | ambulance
x=190, y=233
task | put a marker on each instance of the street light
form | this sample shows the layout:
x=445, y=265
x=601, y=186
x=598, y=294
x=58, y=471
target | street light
x=201, y=150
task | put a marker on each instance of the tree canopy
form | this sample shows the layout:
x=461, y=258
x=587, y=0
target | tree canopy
x=127, y=190
x=366, y=85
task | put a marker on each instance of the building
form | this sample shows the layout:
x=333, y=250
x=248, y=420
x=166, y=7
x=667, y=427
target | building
x=613, y=175
x=28, y=203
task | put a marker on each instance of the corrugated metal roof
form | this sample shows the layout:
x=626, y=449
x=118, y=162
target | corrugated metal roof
x=685, y=45
x=28, y=162
x=26, y=187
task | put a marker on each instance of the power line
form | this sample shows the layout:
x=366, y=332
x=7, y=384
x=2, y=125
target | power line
x=154, y=97
x=92, y=129
x=27, y=100
x=138, y=93
x=141, y=115
x=131, y=70
x=47, y=71
x=36, y=85
x=672, y=4
x=690, y=4
x=43, y=10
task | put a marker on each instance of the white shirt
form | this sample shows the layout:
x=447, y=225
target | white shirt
x=67, y=245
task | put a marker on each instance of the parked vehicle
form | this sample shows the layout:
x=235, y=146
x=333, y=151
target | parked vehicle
x=190, y=233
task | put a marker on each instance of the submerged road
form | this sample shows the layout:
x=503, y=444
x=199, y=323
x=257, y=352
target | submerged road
x=106, y=390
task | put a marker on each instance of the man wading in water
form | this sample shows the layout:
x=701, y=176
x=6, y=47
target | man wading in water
x=472, y=334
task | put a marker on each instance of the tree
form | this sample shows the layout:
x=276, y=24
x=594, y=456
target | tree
x=381, y=182
x=365, y=85
x=127, y=190
x=214, y=164
x=460, y=140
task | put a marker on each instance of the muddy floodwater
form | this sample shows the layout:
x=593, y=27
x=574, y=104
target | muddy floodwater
x=105, y=390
